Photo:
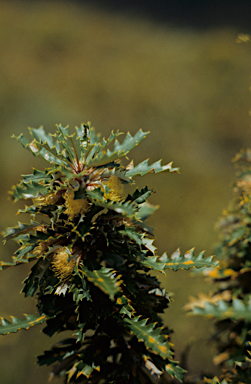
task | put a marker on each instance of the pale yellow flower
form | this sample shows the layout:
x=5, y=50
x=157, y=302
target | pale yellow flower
x=74, y=207
x=40, y=249
x=116, y=189
x=62, y=267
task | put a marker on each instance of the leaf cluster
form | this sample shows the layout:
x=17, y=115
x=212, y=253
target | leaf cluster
x=92, y=254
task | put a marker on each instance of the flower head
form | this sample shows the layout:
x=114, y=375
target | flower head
x=116, y=189
x=62, y=267
x=74, y=207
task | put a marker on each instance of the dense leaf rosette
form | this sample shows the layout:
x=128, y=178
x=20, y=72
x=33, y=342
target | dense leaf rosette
x=92, y=254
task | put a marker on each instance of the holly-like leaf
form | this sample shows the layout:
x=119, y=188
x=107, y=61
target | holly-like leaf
x=80, y=293
x=39, y=144
x=38, y=176
x=178, y=261
x=129, y=142
x=141, y=196
x=202, y=299
x=85, y=369
x=16, y=324
x=148, y=243
x=124, y=208
x=80, y=368
x=112, y=136
x=143, y=168
x=125, y=306
x=97, y=194
x=238, y=310
x=101, y=158
x=22, y=228
x=151, y=336
x=5, y=265
x=42, y=137
x=32, y=281
x=116, y=172
x=29, y=190
x=24, y=251
x=175, y=371
x=105, y=279
x=146, y=209
x=132, y=234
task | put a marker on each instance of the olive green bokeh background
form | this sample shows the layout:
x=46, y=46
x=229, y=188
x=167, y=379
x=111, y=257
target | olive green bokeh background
x=62, y=63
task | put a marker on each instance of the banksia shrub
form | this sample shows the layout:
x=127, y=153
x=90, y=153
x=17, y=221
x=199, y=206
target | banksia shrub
x=92, y=253
x=230, y=302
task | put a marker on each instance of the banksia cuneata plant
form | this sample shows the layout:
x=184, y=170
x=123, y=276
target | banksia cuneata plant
x=92, y=253
x=230, y=302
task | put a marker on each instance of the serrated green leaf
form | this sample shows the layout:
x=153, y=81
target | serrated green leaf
x=22, y=228
x=146, y=209
x=116, y=172
x=22, y=140
x=93, y=136
x=80, y=293
x=124, y=208
x=23, y=251
x=41, y=136
x=5, y=265
x=178, y=261
x=16, y=324
x=97, y=194
x=175, y=371
x=68, y=142
x=38, y=176
x=125, y=307
x=119, y=150
x=29, y=190
x=132, y=234
x=85, y=369
x=112, y=136
x=105, y=279
x=63, y=132
x=150, y=335
x=141, y=196
x=39, y=144
x=238, y=310
x=32, y=280
x=148, y=243
x=143, y=168
x=49, y=156
x=129, y=142
x=80, y=368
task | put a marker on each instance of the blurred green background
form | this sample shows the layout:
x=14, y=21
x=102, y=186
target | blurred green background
x=69, y=63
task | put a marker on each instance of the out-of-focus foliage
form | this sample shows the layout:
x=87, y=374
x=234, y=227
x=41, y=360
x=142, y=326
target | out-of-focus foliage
x=188, y=87
x=93, y=248
x=230, y=303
